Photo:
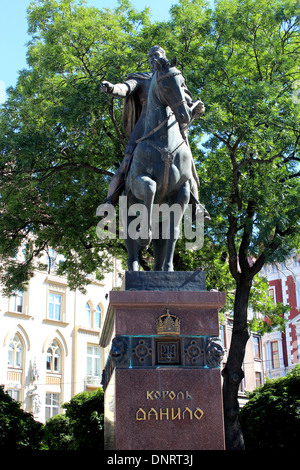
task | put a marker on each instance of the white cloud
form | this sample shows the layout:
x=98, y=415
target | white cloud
x=2, y=92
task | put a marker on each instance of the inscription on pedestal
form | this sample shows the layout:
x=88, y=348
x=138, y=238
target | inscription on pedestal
x=168, y=413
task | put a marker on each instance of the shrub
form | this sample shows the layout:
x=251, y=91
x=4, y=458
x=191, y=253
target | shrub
x=81, y=428
x=85, y=412
x=57, y=434
x=18, y=429
x=271, y=418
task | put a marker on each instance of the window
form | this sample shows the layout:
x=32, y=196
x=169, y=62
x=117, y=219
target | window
x=52, y=405
x=55, y=306
x=275, y=354
x=92, y=317
x=98, y=315
x=272, y=294
x=56, y=301
x=19, y=302
x=14, y=393
x=242, y=386
x=88, y=315
x=53, y=358
x=256, y=347
x=258, y=379
x=15, y=352
x=93, y=361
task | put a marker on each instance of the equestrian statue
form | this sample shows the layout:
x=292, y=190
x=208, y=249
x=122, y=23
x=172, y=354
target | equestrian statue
x=158, y=169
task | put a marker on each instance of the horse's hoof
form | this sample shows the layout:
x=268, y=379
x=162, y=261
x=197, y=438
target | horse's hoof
x=133, y=266
x=169, y=268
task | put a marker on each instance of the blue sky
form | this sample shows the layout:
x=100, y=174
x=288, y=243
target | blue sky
x=13, y=33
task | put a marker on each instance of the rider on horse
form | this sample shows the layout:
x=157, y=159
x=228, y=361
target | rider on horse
x=135, y=91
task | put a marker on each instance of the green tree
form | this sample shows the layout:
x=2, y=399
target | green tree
x=245, y=58
x=61, y=139
x=57, y=434
x=85, y=412
x=18, y=429
x=271, y=417
x=81, y=427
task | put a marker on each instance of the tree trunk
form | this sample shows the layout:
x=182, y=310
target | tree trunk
x=233, y=373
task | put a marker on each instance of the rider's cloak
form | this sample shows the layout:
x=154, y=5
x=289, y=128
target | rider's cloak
x=132, y=106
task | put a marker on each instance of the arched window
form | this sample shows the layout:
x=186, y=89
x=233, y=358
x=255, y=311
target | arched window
x=98, y=316
x=88, y=315
x=53, y=363
x=15, y=352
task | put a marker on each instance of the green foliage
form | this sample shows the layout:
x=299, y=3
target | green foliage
x=85, y=414
x=81, y=427
x=267, y=314
x=246, y=66
x=57, y=434
x=271, y=417
x=18, y=429
x=61, y=139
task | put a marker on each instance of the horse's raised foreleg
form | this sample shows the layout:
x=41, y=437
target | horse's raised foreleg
x=145, y=189
x=181, y=202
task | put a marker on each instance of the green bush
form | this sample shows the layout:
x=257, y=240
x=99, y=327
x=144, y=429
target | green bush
x=85, y=412
x=57, y=434
x=81, y=428
x=271, y=417
x=18, y=429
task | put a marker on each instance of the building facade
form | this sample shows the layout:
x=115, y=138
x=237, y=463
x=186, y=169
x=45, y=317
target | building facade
x=274, y=354
x=282, y=350
x=49, y=340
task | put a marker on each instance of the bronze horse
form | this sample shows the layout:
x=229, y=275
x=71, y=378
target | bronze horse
x=160, y=170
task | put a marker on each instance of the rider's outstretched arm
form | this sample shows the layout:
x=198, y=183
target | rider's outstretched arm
x=119, y=90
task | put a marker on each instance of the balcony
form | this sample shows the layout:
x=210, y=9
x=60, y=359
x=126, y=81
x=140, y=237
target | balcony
x=92, y=381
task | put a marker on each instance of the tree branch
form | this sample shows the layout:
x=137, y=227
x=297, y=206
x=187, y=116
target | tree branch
x=76, y=166
x=270, y=247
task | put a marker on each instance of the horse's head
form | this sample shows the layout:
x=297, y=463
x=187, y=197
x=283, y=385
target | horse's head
x=171, y=89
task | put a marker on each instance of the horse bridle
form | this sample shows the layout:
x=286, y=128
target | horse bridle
x=167, y=75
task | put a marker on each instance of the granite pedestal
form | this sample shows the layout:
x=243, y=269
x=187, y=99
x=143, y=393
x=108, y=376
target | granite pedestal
x=162, y=379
